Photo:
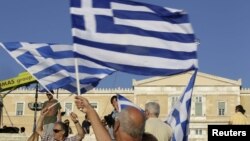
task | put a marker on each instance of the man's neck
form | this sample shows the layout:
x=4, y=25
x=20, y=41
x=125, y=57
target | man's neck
x=151, y=116
x=51, y=99
x=62, y=139
x=125, y=137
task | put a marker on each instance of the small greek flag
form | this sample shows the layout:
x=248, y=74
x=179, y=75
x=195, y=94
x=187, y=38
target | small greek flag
x=180, y=113
x=123, y=103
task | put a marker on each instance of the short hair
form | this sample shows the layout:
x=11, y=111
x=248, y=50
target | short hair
x=153, y=108
x=240, y=109
x=129, y=126
x=50, y=92
x=22, y=129
x=112, y=98
x=64, y=127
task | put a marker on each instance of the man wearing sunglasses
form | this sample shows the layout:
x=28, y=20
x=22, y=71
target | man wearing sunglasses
x=60, y=129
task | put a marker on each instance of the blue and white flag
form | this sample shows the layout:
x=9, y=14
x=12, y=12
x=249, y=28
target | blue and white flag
x=53, y=65
x=133, y=37
x=179, y=116
x=123, y=103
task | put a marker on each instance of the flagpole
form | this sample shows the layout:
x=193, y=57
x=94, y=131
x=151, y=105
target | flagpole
x=36, y=106
x=77, y=73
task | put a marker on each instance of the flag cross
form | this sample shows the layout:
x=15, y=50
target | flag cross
x=88, y=12
x=32, y=48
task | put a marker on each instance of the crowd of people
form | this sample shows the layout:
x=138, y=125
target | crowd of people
x=130, y=124
x=127, y=125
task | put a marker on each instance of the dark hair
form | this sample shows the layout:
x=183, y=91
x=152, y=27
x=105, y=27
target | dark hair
x=65, y=127
x=112, y=98
x=22, y=129
x=240, y=109
x=148, y=137
x=50, y=92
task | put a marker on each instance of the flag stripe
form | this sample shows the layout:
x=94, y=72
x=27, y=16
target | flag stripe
x=135, y=60
x=120, y=29
x=140, y=41
x=146, y=16
x=137, y=50
x=127, y=7
x=162, y=26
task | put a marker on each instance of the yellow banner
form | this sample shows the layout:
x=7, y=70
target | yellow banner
x=22, y=79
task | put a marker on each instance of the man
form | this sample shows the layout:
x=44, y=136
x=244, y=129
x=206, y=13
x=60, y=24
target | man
x=129, y=123
x=110, y=119
x=239, y=117
x=54, y=113
x=60, y=129
x=86, y=125
x=161, y=130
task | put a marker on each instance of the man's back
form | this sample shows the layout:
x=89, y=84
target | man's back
x=159, y=129
x=238, y=119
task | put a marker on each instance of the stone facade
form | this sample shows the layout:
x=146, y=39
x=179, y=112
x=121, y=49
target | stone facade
x=213, y=102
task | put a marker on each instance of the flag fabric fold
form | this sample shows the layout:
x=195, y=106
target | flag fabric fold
x=179, y=116
x=123, y=103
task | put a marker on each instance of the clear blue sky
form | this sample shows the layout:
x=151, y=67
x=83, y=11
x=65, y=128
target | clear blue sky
x=221, y=25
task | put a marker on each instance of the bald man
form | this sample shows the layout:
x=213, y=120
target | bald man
x=129, y=124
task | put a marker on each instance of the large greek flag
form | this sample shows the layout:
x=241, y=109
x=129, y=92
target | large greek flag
x=179, y=116
x=133, y=37
x=108, y=36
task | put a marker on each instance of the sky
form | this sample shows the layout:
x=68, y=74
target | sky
x=222, y=27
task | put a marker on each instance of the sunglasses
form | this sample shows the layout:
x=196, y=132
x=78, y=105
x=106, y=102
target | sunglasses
x=56, y=130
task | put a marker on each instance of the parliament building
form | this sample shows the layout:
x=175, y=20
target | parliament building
x=213, y=101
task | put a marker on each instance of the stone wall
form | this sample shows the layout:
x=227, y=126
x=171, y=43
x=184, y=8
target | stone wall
x=12, y=137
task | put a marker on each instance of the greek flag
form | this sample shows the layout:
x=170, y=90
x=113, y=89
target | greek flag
x=180, y=113
x=53, y=65
x=133, y=37
x=123, y=103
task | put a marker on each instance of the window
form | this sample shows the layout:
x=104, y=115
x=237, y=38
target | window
x=68, y=108
x=174, y=100
x=198, y=106
x=19, y=109
x=198, y=131
x=94, y=105
x=221, y=108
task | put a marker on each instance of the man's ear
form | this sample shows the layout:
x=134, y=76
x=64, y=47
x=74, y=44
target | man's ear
x=117, y=125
